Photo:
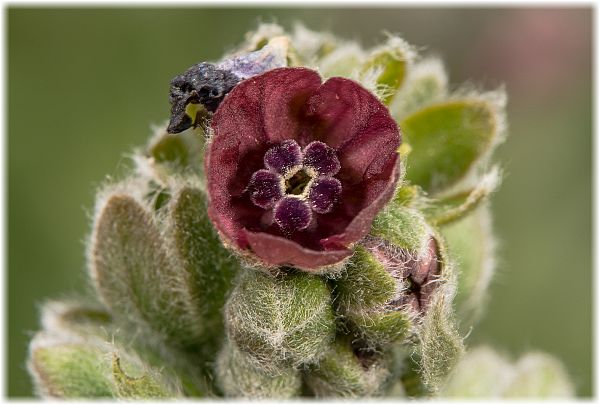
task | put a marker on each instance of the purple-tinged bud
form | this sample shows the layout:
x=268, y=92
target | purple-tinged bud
x=418, y=274
x=391, y=279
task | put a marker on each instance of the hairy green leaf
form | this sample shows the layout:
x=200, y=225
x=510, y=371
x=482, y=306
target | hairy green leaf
x=447, y=140
x=73, y=317
x=441, y=346
x=134, y=275
x=471, y=243
x=205, y=268
x=426, y=83
x=70, y=370
x=456, y=206
x=390, y=62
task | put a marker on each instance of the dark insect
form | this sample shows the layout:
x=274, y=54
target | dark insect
x=207, y=84
x=203, y=84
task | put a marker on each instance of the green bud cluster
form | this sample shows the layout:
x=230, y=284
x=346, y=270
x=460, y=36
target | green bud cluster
x=181, y=315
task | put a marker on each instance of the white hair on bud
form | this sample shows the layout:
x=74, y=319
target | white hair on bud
x=264, y=32
x=399, y=48
x=343, y=61
x=430, y=67
x=310, y=44
x=368, y=80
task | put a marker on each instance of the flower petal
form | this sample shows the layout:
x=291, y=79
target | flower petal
x=256, y=114
x=284, y=156
x=341, y=108
x=237, y=137
x=265, y=188
x=378, y=194
x=321, y=158
x=366, y=155
x=284, y=95
x=324, y=193
x=290, y=104
x=353, y=121
x=277, y=250
x=292, y=214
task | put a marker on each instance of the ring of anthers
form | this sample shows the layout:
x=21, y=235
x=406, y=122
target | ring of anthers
x=296, y=183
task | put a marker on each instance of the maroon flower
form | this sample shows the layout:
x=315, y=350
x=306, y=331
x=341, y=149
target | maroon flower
x=297, y=169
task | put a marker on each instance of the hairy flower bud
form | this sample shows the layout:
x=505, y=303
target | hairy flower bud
x=387, y=286
x=280, y=321
x=347, y=372
x=386, y=314
x=239, y=377
x=417, y=273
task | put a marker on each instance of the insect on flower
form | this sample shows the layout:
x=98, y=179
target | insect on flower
x=206, y=84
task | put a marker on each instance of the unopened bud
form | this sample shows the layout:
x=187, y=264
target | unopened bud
x=391, y=278
x=280, y=321
x=348, y=371
x=239, y=377
x=417, y=274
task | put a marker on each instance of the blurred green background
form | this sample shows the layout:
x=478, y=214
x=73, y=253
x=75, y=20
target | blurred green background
x=84, y=85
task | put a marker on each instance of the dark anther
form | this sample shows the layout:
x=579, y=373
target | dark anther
x=297, y=183
x=203, y=84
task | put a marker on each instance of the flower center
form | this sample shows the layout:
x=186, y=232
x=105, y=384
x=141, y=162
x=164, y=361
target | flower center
x=296, y=183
